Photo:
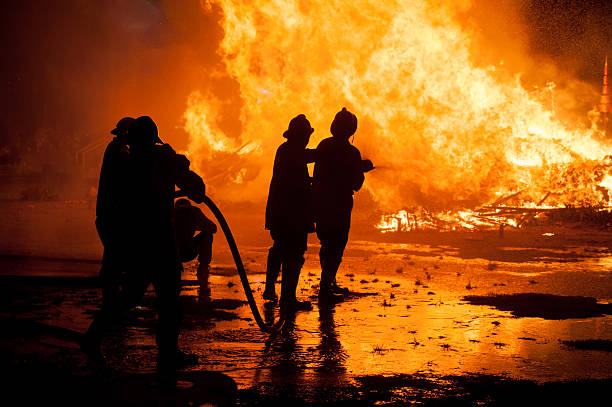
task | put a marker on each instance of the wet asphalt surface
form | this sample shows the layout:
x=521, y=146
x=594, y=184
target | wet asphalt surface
x=406, y=334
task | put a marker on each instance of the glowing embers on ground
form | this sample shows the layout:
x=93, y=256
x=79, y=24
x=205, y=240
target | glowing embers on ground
x=490, y=217
x=577, y=190
x=421, y=219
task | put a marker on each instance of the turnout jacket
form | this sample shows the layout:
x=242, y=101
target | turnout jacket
x=338, y=173
x=289, y=198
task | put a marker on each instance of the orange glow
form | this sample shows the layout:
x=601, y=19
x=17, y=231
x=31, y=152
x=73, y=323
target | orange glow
x=444, y=133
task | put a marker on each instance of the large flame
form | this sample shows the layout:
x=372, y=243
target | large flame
x=444, y=133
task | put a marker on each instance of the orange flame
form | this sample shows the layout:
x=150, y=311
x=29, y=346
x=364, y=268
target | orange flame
x=444, y=133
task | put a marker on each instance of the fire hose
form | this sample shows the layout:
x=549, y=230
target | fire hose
x=273, y=329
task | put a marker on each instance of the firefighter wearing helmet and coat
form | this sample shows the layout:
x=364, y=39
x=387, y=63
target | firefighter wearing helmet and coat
x=110, y=216
x=338, y=174
x=288, y=214
x=153, y=171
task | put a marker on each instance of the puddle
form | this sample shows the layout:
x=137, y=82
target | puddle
x=417, y=319
x=545, y=306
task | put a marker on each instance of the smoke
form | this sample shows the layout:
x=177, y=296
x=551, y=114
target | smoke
x=72, y=68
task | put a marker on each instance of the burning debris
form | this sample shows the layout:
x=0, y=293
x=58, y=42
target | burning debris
x=493, y=217
x=579, y=191
x=476, y=139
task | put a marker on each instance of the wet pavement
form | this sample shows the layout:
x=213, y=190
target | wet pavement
x=407, y=319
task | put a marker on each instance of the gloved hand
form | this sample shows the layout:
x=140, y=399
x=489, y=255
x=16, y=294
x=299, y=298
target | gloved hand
x=197, y=189
x=366, y=165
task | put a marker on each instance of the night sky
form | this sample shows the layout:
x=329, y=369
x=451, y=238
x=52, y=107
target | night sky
x=70, y=65
x=576, y=34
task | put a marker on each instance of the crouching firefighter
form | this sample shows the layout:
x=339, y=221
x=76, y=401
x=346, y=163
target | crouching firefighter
x=153, y=173
x=188, y=220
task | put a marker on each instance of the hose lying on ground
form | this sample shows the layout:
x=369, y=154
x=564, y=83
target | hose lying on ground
x=274, y=329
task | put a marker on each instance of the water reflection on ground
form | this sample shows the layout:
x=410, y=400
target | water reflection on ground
x=413, y=319
x=408, y=328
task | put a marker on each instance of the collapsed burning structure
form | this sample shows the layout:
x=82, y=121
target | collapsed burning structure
x=593, y=205
x=458, y=141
